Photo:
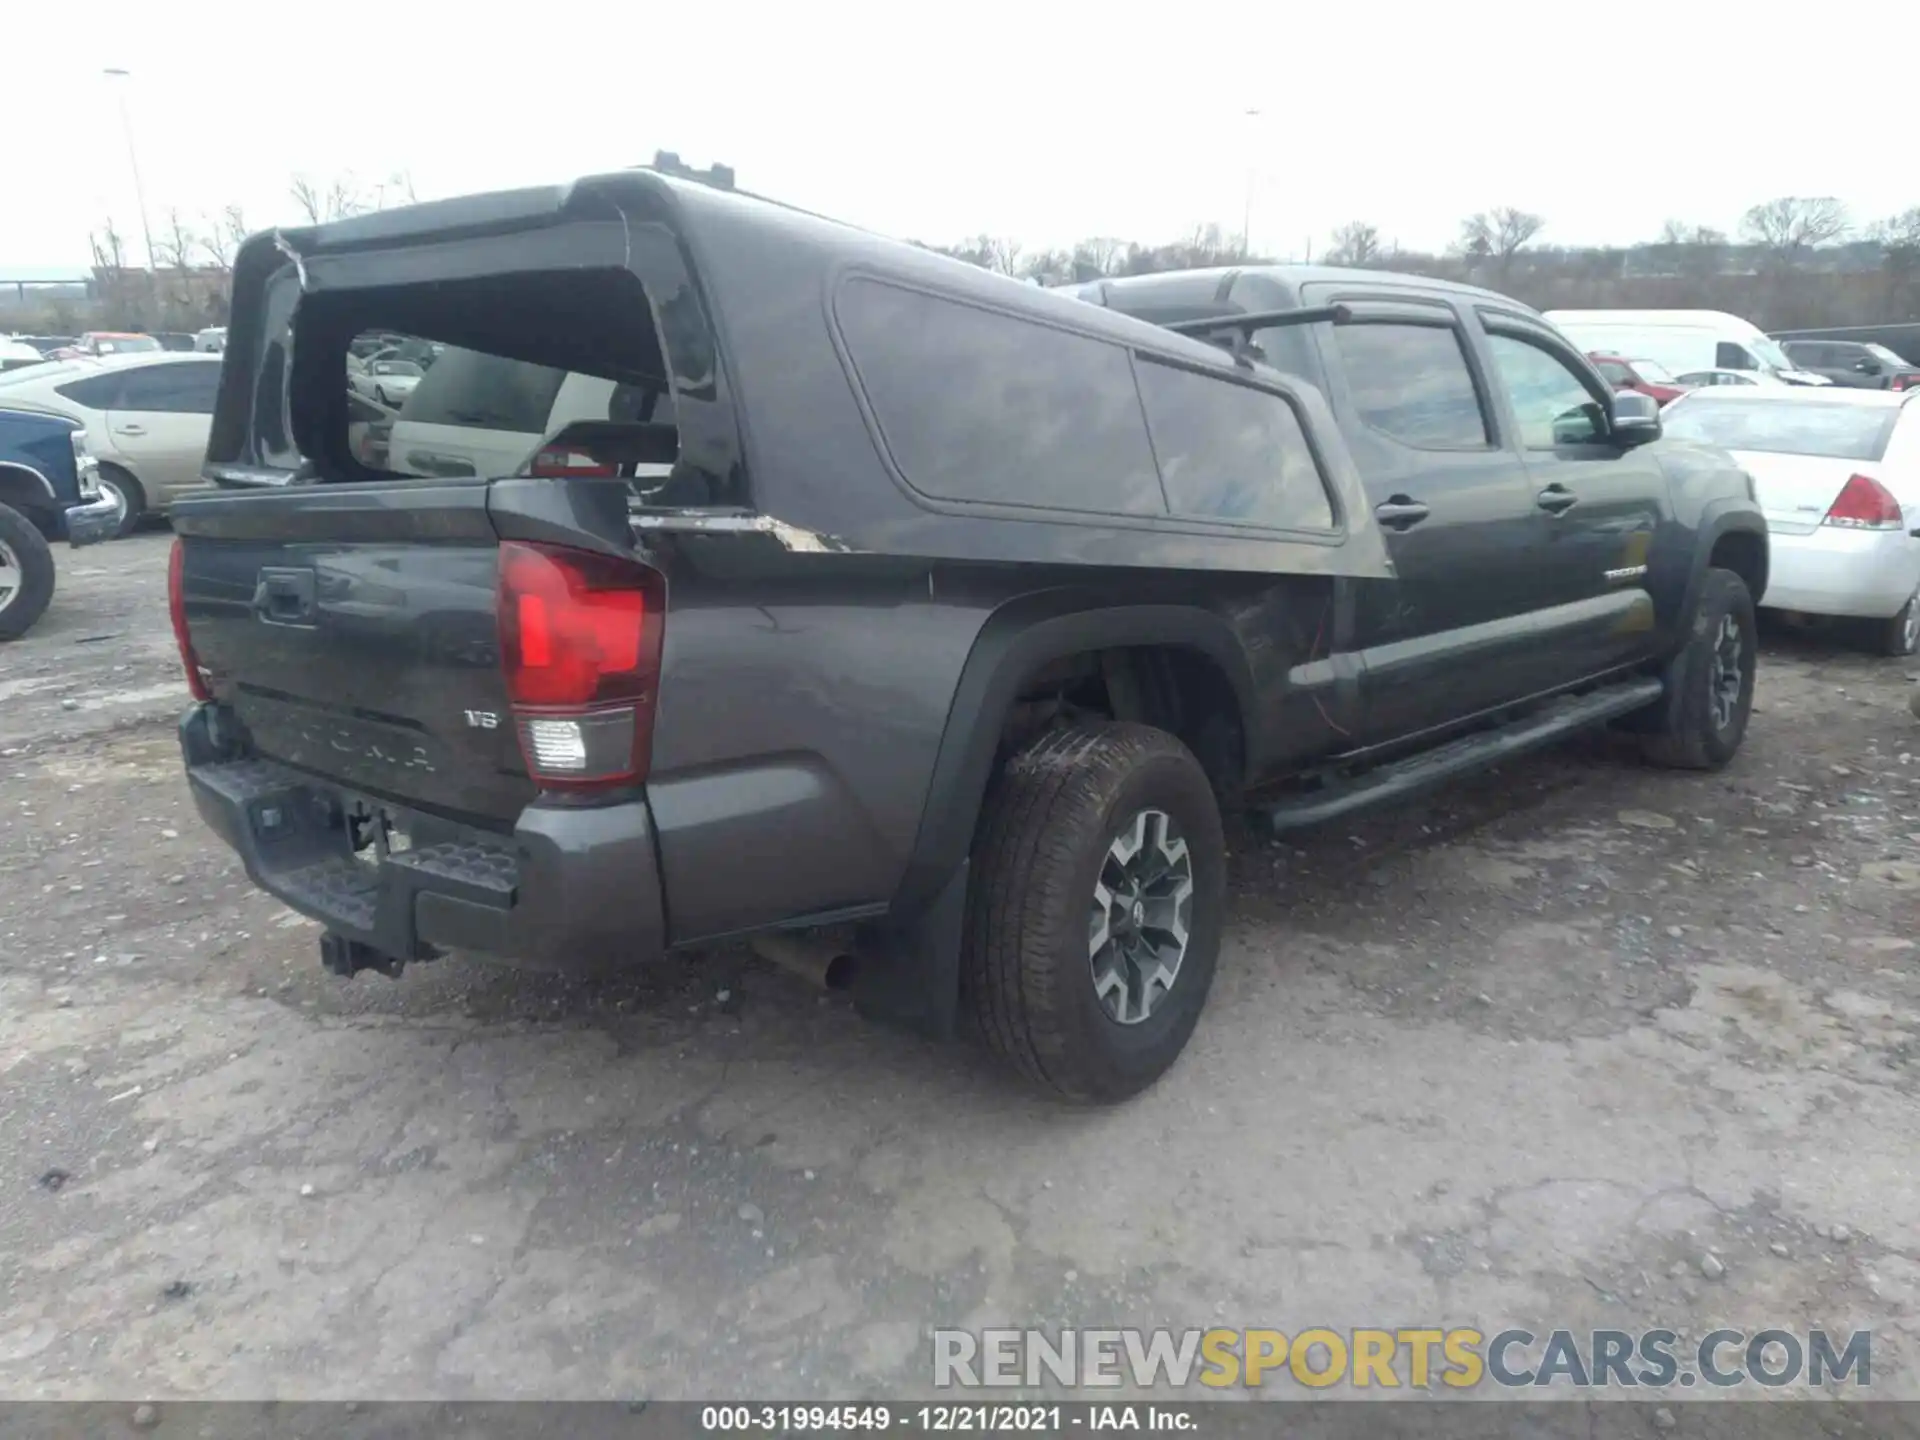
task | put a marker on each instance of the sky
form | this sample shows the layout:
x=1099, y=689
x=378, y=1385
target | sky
x=1040, y=121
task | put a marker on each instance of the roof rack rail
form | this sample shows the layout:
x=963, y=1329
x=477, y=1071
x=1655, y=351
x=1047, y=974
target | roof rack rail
x=1241, y=327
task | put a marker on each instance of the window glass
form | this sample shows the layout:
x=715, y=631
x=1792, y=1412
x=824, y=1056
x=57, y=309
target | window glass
x=1614, y=372
x=96, y=392
x=1550, y=403
x=1729, y=356
x=1411, y=382
x=186, y=389
x=977, y=405
x=480, y=391
x=1230, y=452
x=1787, y=426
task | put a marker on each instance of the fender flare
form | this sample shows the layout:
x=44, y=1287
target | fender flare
x=1718, y=518
x=18, y=468
x=1018, y=638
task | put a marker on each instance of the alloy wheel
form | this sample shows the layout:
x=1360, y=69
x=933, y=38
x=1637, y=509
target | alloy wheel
x=1729, y=671
x=12, y=579
x=1140, y=918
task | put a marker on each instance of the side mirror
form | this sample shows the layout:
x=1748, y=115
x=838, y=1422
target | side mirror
x=1633, y=418
x=1867, y=366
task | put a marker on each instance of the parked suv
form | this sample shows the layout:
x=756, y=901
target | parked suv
x=1858, y=363
x=963, y=611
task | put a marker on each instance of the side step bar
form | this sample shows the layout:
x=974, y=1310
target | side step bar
x=1400, y=779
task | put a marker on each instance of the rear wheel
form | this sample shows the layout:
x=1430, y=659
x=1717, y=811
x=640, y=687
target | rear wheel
x=1901, y=634
x=1703, y=717
x=26, y=574
x=1095, y=912
x=133, y=500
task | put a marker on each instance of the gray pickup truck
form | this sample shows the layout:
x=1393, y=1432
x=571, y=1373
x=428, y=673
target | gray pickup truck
x=733, y=573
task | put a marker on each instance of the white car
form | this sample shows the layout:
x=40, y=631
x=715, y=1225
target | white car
x=1838, y=477
x=387, y=381
x=146, y=417
x=1753, y=378
x=17, y=355
x=479, y=414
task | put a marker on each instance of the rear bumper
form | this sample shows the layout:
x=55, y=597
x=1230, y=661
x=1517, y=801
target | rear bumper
x=1837, y=571
x=572, y=886
x=92, y=522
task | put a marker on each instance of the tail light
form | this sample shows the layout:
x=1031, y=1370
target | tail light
x=177, y=610
x=568, y=462
x=580, y=637
x=1904, y=382
x=1864, y=504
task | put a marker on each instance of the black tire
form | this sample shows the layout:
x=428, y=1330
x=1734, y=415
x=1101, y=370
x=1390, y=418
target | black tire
x=1027, y=975
x=1901, y=634
x=134, y=499
x=34, y=557
x=1687, y=735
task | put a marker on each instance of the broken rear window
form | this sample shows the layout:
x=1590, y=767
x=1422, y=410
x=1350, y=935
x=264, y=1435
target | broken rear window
x=488, y=377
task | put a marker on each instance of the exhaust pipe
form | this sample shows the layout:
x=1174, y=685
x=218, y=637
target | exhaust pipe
x=821, y=963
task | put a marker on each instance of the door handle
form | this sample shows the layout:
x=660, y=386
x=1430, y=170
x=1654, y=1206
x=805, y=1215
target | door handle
x=284, y=596
x=1556, y=499
x=1400, y=513
x=129, y=430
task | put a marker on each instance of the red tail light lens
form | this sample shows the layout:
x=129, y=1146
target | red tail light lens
x=564, y=462
x=177, y=611
x=580, y=637
x=1864, y=504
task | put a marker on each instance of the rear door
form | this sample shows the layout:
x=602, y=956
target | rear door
x=1595, y=506
x=159, y=422
x=1451, y=634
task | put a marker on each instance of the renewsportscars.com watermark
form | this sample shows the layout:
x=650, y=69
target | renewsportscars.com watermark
x=1457, y=1358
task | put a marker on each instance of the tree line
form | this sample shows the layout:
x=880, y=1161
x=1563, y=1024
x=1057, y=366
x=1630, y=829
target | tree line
x=1795, y=261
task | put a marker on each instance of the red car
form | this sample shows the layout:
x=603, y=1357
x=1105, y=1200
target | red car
x=1649, y=377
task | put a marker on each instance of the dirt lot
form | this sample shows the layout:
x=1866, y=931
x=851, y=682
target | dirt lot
x=1581, y=1044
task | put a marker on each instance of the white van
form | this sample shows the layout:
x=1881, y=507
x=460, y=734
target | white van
x=1681, y=340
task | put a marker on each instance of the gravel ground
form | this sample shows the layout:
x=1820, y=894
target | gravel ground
x=1580, y=1044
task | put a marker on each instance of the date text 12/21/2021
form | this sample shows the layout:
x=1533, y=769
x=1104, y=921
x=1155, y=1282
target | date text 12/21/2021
x=983, y=1419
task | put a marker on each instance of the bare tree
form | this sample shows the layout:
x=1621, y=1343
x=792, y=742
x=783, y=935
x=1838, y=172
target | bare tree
x=1787, y=227
x=1003, y=255
x=1355, y=243
x=109, y=250
x=222, y=237
x=335, y=200
x=1100, y=255
x=396, y=189
x=174, y=249
x=1499, y=234
x=308, y=199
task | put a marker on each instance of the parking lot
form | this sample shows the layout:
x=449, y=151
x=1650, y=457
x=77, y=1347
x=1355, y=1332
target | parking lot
x=1580, y=1044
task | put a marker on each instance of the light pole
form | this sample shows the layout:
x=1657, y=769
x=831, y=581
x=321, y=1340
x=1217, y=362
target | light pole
x=133, y=161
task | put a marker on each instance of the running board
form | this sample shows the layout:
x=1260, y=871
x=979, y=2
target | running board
x=1400, y=779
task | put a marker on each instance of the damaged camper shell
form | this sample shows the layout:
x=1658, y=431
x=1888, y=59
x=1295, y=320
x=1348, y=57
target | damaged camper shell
x=837, y=588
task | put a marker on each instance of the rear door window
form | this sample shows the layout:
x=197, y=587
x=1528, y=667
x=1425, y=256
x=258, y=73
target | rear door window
x=1411, y=382
x=1231, y=452
x=186, y=389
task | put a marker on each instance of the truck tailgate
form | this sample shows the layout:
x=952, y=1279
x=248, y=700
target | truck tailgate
x=353, y=631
